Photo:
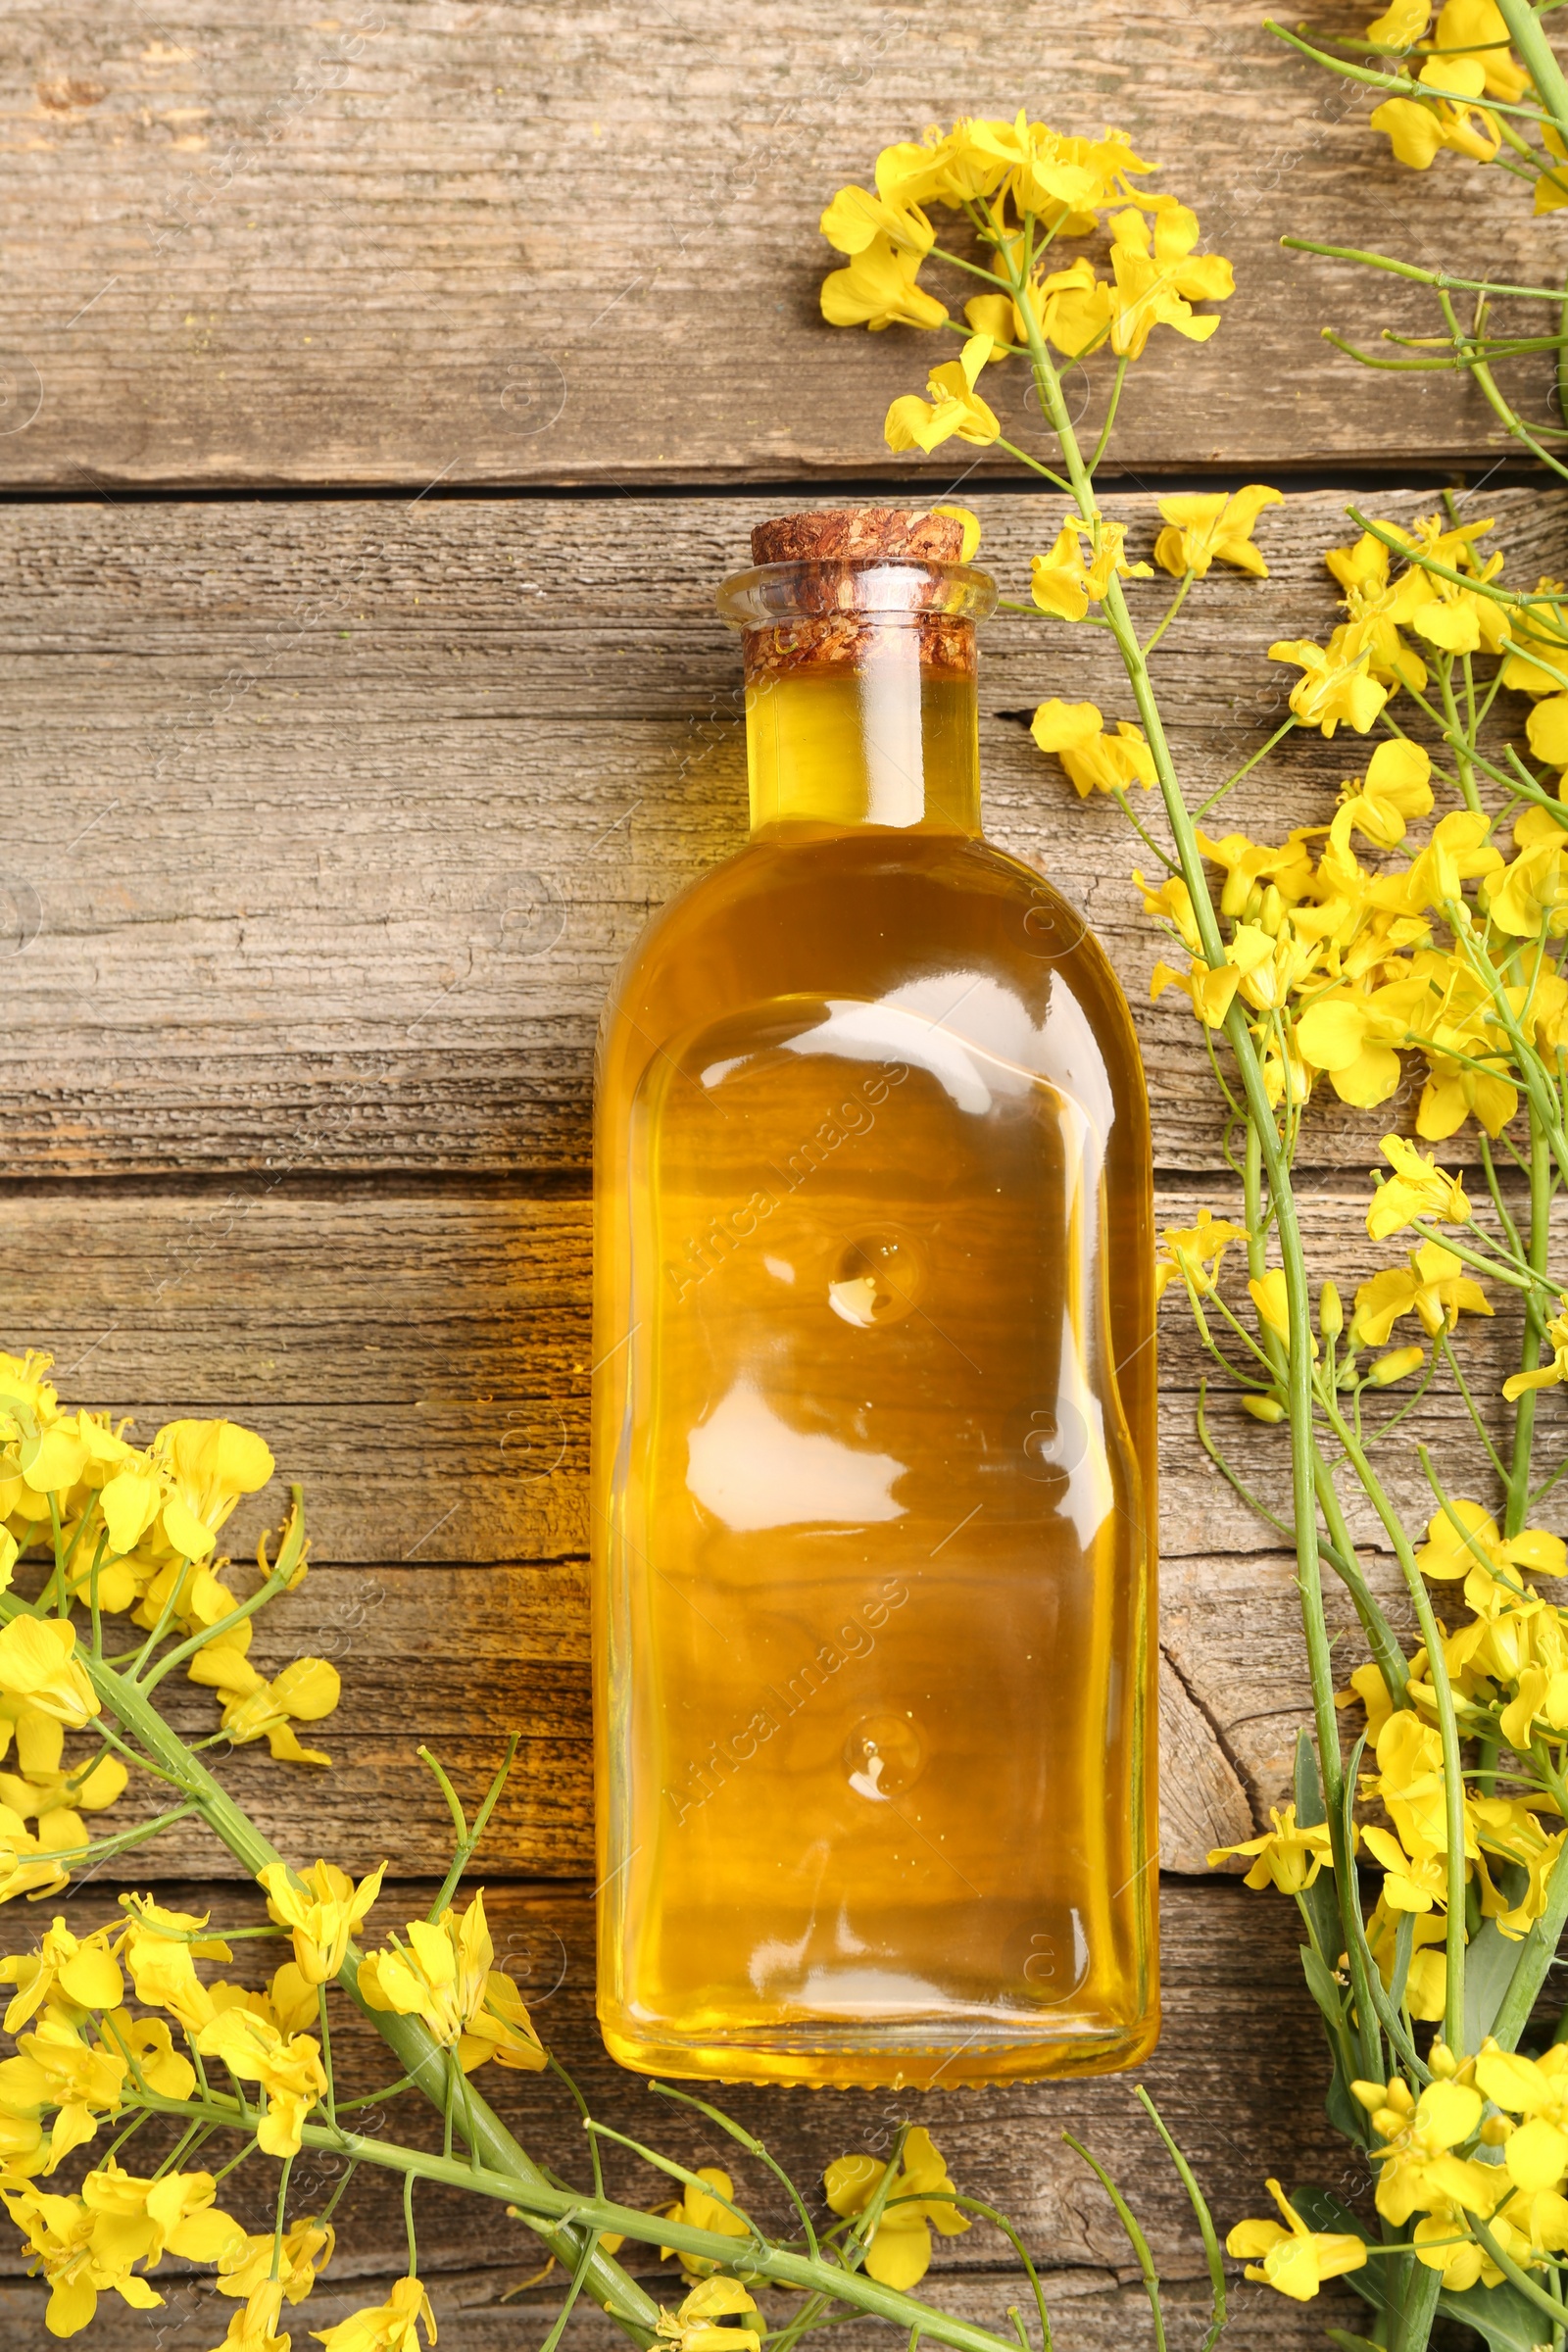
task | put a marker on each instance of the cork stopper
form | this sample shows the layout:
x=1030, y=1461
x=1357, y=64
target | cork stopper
x=839, y=615
x=858, y=535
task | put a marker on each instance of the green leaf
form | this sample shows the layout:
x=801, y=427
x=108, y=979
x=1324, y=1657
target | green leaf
x=1509, y=2321
x=1489, y=1965
x=1325, y=1988
x=1348, y=2342
x=1342, y=2109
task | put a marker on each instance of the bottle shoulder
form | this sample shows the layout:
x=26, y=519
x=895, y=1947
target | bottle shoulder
x=897, y=894
x=946, y=929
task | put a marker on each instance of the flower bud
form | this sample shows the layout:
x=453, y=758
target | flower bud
x=1397, y=1364
x=1264, y=1408
x=1271, y=914
x=1441, y=2061
x=1330, y=1312
x=1496, y=2130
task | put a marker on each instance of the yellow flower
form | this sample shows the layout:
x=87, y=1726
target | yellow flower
x=322, y=1908
x=969, y=521
x=444, y=1976
x=1396, y=786
x=1401, y=25
x=1548, y=730
x=40, y=1669
x=1418, y=128
x=696, y=2328
x=255, y=2329
x=1531, y=892
x=209, y=1465
x=306, y=2251
x=1201, y=529
x=43, y=1789
x=1285, y=1857
x=1270, y=1297
x=1443, y=2243
x=1537, y=633
x=289, y=2072
x=920, y=2198
x=1294, y=2259
x=1416, y=1885
x=879, y=289
x=1073, y=307
x=86, y=2244
x=255, y=1708
x=1397, y=1364
x=855, y=217
x=1063, y=180
x=172, y=2214
x=1418, y=2171
x=1418, y=1188
x=950, y=169
x=1212, y=988
x=697, y=2209
x=1195, y=1253
x=1065, y=584
x=1330, y=690
x=59, y=2231
x=1548, y=1375
x=1536, y=2156
x=1430, y=1287
x=1377, y=607
x=161, y=1951
x=1094, y=761
x=1159, y=277
x=1478, y=26
x=954, y=406
x=148, y=2042
x=390, y=2326
x=1353, y=1035
x=290, y=2002
x=73, y=1975
x=55, y=2068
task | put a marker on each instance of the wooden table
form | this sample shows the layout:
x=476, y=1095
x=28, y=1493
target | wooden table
x=382, y=396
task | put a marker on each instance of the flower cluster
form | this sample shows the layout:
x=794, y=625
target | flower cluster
x=129, y=1531
x=1026, y=188
x=86, y=2058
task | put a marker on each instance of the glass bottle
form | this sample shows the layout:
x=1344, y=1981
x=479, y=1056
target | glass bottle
x=873, y=1473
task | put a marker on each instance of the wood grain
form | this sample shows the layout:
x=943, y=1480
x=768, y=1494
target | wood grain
x=331, y=821
x=537, y=244
x=1237, y=2076
x=417, y=1358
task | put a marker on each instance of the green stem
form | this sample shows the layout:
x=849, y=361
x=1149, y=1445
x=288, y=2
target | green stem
x=417, y=2051
x=1524, y=1411
x=1261, y=1117
x=1447, y=1724
x=1538, y=57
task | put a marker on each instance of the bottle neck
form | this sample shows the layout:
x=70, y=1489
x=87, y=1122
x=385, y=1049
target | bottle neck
x=883, y=738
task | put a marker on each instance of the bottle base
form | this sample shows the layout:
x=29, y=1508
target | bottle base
x=819, y=2056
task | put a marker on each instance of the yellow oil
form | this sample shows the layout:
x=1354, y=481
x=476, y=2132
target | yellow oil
x=874, y=1440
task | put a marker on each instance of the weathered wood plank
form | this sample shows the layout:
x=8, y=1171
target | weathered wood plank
x=1238, y=2074
x=1092, y=2311
x=501, y=1649
x=580, y=245
x=330, y=822
x=419, y=1357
